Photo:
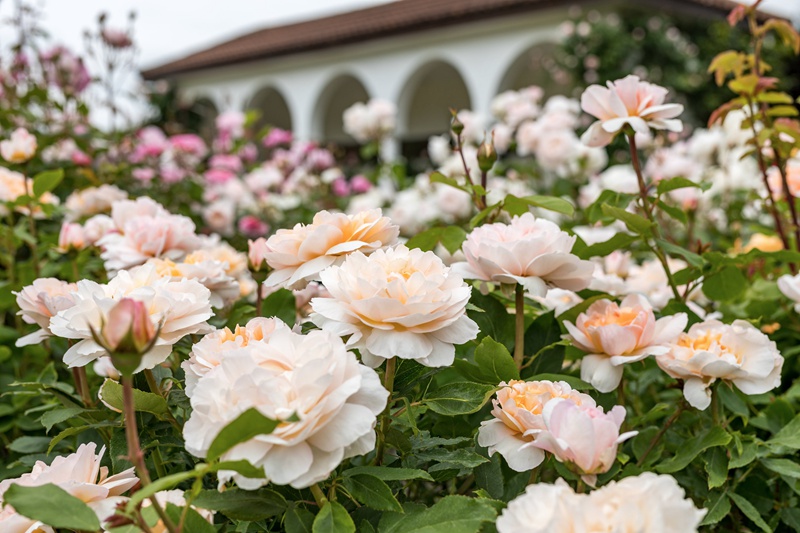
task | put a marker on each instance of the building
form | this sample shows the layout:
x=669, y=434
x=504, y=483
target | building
x=424, y=55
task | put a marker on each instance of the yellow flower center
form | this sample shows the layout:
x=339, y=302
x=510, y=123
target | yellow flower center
x=704, y=343
x=613, y=315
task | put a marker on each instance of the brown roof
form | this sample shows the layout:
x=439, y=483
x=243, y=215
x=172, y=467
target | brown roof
x=394, y=18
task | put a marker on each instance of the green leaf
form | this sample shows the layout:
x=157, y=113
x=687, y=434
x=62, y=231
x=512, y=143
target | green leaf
x=784, y=467
x=791, y=517
x=718, y=508
x=242, y=466
x=192, y=522
x=281, y=304
x=333, y=518
x=692, y=258
x=620, y=241
x=387, y=473
x=788, y=436
x=51, y=505
x=372, y=492
x=298, y=520
x=495, y=361
x=56, y=416
x=147, y=402
x=459, y=398
x=47, y=181
x=543, y=341
x=238, y=504
x=246, y=426
x=452, y=237
x=164, y=483
x=673, y=211
x=634, y=222
x=747, y=455
x=750, y=511
x=462, y=457
x=676, y=183
x=438, y=177
x=518, y=206
x=451, y=514
x=717, y=467
x=727, y=284
x=715, y=436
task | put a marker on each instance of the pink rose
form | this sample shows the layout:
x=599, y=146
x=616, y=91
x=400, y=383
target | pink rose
x=277, y=137
x=360, y=184
x=252, y=226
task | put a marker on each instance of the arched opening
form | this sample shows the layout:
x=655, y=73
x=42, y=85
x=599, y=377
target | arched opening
x=535, y=66
x=273, y=109
x=339, y=94
x=205, y=111
x=425, y=102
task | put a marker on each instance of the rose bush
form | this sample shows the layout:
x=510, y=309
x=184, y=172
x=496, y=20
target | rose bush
x=534, y=334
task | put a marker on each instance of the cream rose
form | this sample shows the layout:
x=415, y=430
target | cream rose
x=312, y=377
x=614, y=335
x=299, y=254
x=545, y=508
x=396, y=302
x=39, y=302
x=79, y=474
x=532, y=252
x=178, y=308
x=20, y=147
x=518, y=417
x=737, y=353
x=211, y=274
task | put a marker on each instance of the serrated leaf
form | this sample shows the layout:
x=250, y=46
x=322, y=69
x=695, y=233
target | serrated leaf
x=715, y=436
x=620, y=241
x=788, y=436
x=750, y=511
x=147, y=402
x=387, y=473
x=727, y=284
x=192, y=521
x=462, y=457
x=634, y=222
x=56, y=416
x=333, y=518
x=372, y=492
x=517, y=206
x=717, y=467
x=495, y=361
x=718, y=508
x=459, y=398
x=246, y=426
x=451, y=514
x=281, y=304
x=784, y=467
x=298, y=520
x=673, y=184
x=51, y=505
x=238, y=504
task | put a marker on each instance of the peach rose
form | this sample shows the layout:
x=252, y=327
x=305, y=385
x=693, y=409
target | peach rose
x=396, y=302
x=20, y=147
x=737, y=353
x=545, y=508
x=532, y=252
x=627, y=102
x=614, y=335
x=518, y=416
x=72, y=237
x=299, y=254
x=39, y=302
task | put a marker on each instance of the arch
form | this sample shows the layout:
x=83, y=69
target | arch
x=425, y=101
x=273, y=109
x=338, y=94
x=534, y=66
x=205, y=111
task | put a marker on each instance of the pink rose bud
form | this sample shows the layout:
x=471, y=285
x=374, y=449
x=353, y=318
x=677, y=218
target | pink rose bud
x=81, y=158
x=360, y=184
x=257, y=250
x=128, y=333
x=340, y=187
x=71, y=237
x=19, y=148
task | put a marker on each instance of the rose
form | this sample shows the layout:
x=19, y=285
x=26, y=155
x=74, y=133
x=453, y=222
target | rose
x=627, y=102
x=396, y=302
x=39, y=302
x=311, y=378
x=737, y=353
x=299, y=254
x=19, y=148
x=545, y=508
x=532, y=252
x=614, y=335
x=518, y=417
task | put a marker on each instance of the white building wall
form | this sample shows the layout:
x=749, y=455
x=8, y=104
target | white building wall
x=481, y=52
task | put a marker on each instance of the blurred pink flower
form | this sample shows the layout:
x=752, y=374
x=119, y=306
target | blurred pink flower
x=340, y=187
x=360, y=184
x=253, y=226
x=278, y=137
x=218, y=175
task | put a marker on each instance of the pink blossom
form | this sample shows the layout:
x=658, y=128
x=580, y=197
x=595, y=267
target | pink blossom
x=218, y=175
x=256, y=253
x=252, y=226
x=81, y=158
x=627, y=102
x=143, y=174
x=231, y=123
x=116, y=38
x=172, y=174
x=340, y=187
x=320, y=159
x=128, y=326
x=248, y=152
x=278, y=137
x=226, y=161
x=71, y=237
x=360, y=184
x=65, y=70
x=582, y=435
x=189, y=143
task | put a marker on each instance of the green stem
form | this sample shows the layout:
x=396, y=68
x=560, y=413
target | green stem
x=152, y=382
x=386, y=418
x=319, y=496
x=519, y=331
x=82, y=385
x=671, y=420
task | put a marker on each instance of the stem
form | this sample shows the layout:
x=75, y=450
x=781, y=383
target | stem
x=152, y=383
x=319, y=496
x=715, y=407
x=81, y=383
x=790, y=199
x=534, y=477
x=484, y=179
x=519, y=331
x=76, y=276
x=637, y=167
x=33, y=245
x=386, y=419
x=671, y=420
x=135, y=454
x=259, y=298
